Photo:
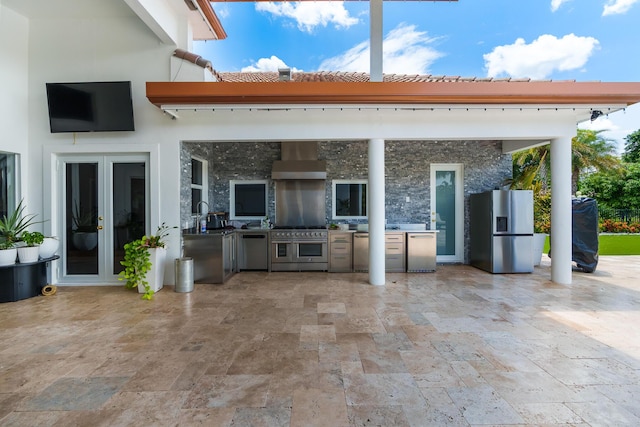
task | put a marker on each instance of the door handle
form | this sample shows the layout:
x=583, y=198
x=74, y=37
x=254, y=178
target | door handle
x=99, y=227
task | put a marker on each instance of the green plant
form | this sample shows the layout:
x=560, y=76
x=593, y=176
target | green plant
x=542, y=212
x=611, y=226
x=32, y=239
x=136, y=259
x=12, y=226
x=157, y=240
x=4, y=244
x=136, y=265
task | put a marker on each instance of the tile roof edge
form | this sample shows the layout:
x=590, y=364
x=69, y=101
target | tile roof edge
x=347, y=76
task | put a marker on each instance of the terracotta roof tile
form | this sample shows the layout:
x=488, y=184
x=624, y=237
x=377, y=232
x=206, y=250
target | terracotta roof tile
x=344, y=76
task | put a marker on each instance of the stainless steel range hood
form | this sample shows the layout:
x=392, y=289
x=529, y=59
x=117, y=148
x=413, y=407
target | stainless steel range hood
x=299, y=169
x=299, y=161
x=300, y=185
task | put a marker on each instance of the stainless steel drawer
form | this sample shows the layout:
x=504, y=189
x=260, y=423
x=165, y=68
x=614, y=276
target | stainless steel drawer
x=340, y=237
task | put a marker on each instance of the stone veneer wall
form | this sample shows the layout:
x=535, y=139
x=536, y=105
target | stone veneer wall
x=406, y=168
x=227, y=161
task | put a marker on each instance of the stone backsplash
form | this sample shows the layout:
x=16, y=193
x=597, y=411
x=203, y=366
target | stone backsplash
x=407, y=171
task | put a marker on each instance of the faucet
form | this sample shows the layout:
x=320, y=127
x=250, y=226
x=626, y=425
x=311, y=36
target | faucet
x=199, y=213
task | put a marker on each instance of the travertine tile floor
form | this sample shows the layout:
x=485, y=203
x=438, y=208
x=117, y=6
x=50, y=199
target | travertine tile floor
x=457, y=347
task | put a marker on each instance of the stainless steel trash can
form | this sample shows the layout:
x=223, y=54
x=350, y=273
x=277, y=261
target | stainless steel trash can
x=184, y=274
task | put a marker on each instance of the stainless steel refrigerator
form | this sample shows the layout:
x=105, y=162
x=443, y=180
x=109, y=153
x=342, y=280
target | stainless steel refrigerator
x=501, y=231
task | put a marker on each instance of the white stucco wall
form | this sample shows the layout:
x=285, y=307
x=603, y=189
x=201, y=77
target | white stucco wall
x=96, y=49
x=14, y=74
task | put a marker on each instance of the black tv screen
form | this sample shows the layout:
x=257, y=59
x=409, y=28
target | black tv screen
x=90, y=107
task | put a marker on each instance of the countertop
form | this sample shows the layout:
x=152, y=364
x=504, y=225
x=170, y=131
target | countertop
x=194, y=233
x=402, y=228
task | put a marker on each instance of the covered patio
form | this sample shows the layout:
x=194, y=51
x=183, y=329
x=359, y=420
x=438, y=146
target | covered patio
x=456, y=347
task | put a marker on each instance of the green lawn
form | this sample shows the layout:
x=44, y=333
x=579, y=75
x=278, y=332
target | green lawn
x=614, y=244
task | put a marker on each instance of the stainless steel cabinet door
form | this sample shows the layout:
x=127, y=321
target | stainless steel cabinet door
x=421, y=252
x=361, y=252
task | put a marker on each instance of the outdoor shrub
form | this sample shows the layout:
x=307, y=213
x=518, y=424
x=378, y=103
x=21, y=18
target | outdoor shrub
x=542, y=213
x=611, y=226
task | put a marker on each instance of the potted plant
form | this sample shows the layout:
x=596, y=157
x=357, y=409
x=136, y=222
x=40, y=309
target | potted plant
x=84, y=227
x=8, y=253
x=10, y=228
x=49, y=247
x=30, y=251
x=144, y=262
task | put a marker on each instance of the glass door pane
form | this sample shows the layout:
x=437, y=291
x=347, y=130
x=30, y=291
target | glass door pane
x=129, y=202
x=81, y=219
x=447, y=211
x=8, y=178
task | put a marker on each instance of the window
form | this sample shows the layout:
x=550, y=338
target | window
x=8, y=184
x=350, y=199
x=199, y=181
x=248, y=199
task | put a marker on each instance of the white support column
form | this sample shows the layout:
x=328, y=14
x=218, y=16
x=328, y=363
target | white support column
x=375, y=40
x=376, y=212
x=561, y=212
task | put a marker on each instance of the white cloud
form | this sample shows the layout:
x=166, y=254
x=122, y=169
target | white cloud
x=223, y=11
x=354, y=59
x=555, y=4
x=602, y=123
x=309, y=15
x=616, y=7
x=540, y=58
x=405, y=51
x=267, y=64
x=616, y=126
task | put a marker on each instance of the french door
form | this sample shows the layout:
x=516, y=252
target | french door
x=104, y=205
x=447, y=210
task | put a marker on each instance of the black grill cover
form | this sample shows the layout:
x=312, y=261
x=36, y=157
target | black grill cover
x=585, y=233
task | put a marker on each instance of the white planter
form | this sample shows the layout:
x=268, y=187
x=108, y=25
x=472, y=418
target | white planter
x=28, y=254
x=155, y=276
x=539, y=240
x=8, y=256
x=49, y=247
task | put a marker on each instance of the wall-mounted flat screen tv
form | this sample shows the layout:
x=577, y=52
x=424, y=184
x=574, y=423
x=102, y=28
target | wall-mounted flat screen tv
x=90, y=107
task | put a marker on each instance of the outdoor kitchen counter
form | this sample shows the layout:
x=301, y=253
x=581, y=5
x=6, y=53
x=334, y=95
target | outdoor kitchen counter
x=213, y=253
x=408, y=247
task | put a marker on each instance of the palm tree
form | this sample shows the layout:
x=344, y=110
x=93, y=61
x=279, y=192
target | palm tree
x=589, y=151
x=532, y=169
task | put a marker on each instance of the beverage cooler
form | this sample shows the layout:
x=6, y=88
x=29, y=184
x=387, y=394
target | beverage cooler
x=501, y=231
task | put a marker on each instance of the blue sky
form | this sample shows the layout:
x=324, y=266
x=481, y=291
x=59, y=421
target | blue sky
x=583, y=40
